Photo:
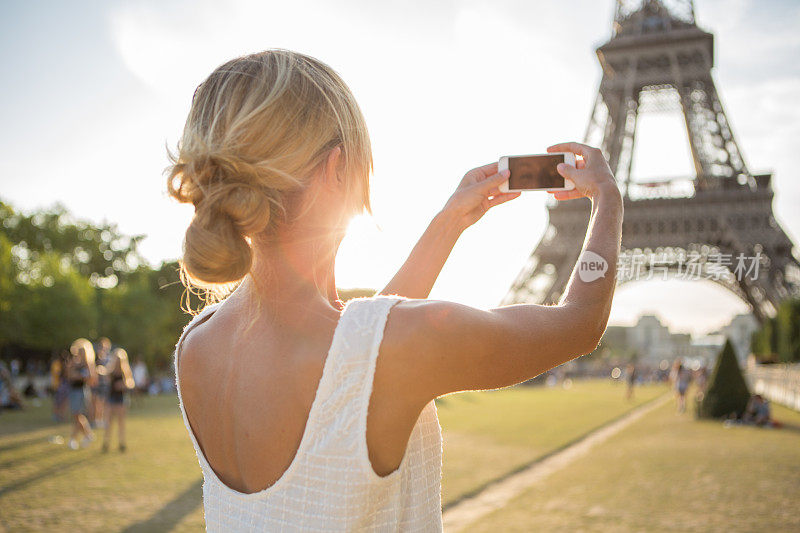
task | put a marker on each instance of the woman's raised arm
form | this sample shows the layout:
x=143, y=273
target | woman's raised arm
x=432, y=348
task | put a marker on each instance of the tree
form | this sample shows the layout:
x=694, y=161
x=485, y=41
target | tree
x=143, y=314
x=54, y=274
x=55, y=306
x=8, y=292
x=99, y=252
x=727, y=390
x=787, y=325
x=46, y=305
x=763, y=340
x=778, y=338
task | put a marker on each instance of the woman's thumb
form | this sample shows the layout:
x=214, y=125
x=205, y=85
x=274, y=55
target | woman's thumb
x=567, y=171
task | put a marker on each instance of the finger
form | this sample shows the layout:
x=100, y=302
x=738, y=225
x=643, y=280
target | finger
x=493, y=182
x=567, y=195
x=486, y=170
x=568, y=171
x=502, y=198
x=580, y=164
x=582, y=150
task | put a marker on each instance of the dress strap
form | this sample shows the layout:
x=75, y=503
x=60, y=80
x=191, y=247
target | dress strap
x=344, y=391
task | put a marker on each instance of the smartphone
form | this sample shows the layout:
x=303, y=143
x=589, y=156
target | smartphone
x=536, y=172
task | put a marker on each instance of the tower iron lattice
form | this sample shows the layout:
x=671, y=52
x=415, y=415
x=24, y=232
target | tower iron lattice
x=717, y=225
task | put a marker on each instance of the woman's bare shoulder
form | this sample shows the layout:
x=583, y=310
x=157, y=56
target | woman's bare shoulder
x=194, y=347
x=425, y=342
x=416, y=323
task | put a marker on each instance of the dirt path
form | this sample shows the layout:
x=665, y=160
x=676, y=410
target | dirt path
x=500, y=492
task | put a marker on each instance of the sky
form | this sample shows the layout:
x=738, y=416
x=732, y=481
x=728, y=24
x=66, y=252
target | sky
x=94, y=92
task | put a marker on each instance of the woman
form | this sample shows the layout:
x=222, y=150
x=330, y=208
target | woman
x=120, y=381
x=100, y=389
x=307, y=414
x=682, y=377
x=81, y=375
x=630, y=376
x=60, y=385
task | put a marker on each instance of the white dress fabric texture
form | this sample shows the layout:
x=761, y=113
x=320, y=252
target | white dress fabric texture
x=330, y=484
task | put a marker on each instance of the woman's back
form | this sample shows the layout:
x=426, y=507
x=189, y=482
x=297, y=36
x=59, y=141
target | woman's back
x=244, y=389
x=293, y=454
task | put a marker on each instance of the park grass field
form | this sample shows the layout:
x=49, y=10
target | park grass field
x=156, y=484
x=490, y=434
x=670, y=472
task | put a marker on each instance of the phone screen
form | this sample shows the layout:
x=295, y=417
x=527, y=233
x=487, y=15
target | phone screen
x=535, y=172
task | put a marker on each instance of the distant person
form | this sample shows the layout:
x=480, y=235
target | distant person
x=15, y=367
x=757, y=411
x=56, y=366
x=630, y=377
x=9, y=395
x=120, y=383
x=167, y=384
x=30, y=390
x=81, y=374
x=282, y=386
x=60, y=385
x=673, y=372
x=100, y=389
x=681, y=378
x=141, y=376
x=701, y=382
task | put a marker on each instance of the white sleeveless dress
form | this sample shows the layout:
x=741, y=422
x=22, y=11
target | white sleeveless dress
x=330, y=484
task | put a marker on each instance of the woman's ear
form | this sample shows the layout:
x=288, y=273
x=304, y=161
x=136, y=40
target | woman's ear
x=332, y=167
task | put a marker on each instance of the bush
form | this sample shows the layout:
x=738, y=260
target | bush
x=787, y=323
x=763, y=341
x=778, y=339
x=727, y=390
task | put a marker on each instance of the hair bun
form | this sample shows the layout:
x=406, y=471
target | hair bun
x=231, y=202
x=215, y=250
x=248, y=208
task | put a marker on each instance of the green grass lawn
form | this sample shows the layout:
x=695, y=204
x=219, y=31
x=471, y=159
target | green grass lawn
x=492, y=433
x=156, y=484
x=669, y=472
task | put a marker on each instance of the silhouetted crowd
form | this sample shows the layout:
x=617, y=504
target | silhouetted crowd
x=90, y=385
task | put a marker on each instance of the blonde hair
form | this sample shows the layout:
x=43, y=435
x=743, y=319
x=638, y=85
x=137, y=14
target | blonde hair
x=83, y=349
x=258, y=126
x=119, y=358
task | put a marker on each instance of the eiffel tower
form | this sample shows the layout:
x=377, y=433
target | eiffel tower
x=715, y=222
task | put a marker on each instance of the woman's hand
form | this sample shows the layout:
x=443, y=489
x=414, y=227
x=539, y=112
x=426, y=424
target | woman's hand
x=476, y=194
x=591, y=175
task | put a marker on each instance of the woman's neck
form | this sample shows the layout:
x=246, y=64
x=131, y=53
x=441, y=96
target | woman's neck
x=296, y=271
